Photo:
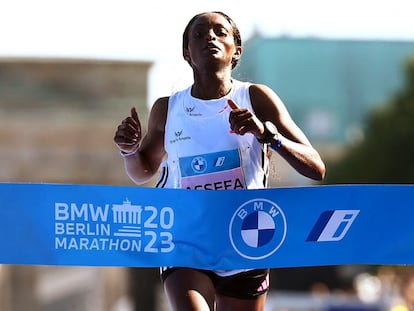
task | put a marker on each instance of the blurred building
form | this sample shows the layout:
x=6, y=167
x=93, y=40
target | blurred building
x=329, y=86
x=58, y=117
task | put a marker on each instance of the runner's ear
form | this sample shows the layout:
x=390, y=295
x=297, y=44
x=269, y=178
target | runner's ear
x=186, y=56
x=237, y=53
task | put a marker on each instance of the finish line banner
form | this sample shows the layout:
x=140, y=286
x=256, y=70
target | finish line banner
x=88, y=225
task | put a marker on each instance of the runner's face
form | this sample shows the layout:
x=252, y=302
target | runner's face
x=211, y=42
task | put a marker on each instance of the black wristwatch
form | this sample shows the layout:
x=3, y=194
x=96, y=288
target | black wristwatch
x=270, y=133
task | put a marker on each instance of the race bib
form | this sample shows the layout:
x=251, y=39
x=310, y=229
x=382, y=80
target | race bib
x=213, y=171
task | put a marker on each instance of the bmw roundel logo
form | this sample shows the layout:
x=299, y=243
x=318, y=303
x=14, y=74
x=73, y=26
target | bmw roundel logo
x=199, y=164
x=257, y=229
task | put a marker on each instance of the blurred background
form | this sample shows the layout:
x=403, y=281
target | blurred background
x=71, y=70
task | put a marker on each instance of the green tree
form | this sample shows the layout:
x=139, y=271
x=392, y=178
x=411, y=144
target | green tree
x=386, y=154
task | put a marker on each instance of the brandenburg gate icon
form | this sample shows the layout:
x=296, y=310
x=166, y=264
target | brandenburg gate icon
x=127, y=213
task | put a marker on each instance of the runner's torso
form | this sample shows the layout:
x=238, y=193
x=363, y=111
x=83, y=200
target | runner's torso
x=203, y=153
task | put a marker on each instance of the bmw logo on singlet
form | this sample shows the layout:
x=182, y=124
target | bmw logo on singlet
x=199, y=165
x=257, y=229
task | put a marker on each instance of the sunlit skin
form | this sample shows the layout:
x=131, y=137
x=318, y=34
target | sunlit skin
x=212, y=53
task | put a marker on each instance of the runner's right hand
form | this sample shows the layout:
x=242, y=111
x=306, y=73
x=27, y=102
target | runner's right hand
x=128, y=134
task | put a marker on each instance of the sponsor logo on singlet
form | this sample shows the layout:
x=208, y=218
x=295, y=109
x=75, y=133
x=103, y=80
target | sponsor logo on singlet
x=178, y=136
x=257, y=229
x=192, y=112
x=199, y=165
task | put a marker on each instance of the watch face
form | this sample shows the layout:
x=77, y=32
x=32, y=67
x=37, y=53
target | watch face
x=271, y=128
x=269, y=134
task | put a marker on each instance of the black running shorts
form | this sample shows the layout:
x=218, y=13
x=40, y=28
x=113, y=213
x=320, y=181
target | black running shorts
x=244, y=285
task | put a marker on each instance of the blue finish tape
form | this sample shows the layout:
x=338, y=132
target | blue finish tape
x=91, y=225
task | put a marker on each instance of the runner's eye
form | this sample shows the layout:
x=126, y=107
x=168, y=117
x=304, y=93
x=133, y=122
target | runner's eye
x=221, y=32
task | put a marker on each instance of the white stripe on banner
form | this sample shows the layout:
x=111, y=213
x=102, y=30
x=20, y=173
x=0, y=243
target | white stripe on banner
x=91, y=225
